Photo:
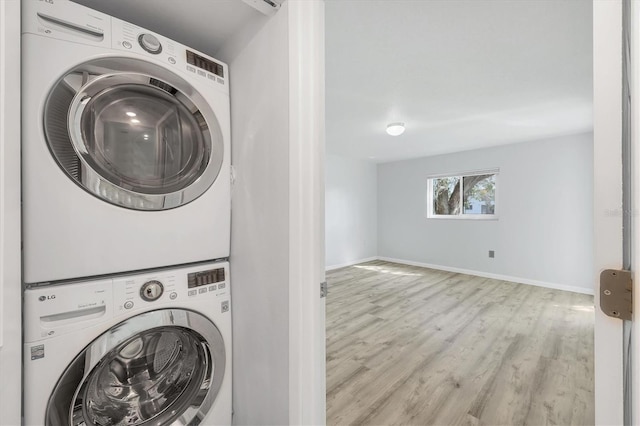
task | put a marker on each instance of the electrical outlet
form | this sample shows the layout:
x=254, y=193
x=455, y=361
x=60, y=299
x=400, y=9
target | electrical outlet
x=492, y=254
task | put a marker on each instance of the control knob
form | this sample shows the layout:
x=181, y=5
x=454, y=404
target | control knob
x=150, y=43
x=151, y=290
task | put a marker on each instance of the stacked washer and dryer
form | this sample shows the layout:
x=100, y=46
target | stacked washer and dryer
x=126, y=224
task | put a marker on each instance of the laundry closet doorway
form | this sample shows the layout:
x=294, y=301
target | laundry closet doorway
x=377, y=196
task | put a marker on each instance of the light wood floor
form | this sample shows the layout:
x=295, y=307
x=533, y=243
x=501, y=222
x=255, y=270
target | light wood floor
x=416, y=346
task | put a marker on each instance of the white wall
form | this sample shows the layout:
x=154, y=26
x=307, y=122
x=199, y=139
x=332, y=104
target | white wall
x=351, y=211
x=277, y=235
x=10, y=279
x=260, y=226
x=544, y=232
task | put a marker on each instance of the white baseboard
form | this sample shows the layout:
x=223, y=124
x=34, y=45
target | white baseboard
x=350, y=263
x=519, y=280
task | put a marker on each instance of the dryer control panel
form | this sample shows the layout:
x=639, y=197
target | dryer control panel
x=66, y=20
x=132, y=38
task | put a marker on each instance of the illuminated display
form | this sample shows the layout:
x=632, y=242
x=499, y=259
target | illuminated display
x=212, y=276
x=205, y=64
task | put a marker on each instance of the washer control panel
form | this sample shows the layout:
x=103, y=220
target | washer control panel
x=58, y=309
x=148, y=290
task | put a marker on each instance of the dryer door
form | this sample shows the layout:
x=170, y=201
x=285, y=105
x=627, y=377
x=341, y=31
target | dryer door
x=133, y=134
x=161, y=367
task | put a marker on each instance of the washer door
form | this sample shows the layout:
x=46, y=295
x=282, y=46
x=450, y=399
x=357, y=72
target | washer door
x=162, y=367
x=133, y=134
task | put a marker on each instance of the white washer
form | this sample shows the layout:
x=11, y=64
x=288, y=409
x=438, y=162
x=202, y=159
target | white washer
x=150, y=348
x=125, y=147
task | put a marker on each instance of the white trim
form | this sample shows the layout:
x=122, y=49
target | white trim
x=493, y=170
x=350, y=263
x=635, y=197
x=307, y=373
x=10, y=228
x=607, y=187
x=519, y=280
x=464, y=217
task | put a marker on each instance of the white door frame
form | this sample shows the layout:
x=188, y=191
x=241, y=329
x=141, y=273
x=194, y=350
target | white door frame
x=307, y=387
x=10, y=262
x=607, y=76
x=607, y=149
x=635, y=191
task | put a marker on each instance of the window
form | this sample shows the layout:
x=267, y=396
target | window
x=463, y=196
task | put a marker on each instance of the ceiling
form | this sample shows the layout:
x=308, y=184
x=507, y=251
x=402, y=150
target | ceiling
x=462, y=74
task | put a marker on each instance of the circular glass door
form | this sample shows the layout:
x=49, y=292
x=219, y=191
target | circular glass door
x=131, y=138
x=142, y=139
x=162, y=367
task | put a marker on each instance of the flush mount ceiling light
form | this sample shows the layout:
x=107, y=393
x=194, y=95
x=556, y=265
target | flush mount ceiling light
x=395, y=129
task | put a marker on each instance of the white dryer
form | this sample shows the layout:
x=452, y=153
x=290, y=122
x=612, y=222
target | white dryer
x=125, y=147
x=151, y=348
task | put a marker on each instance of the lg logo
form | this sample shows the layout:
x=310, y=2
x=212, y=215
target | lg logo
x=43, y=298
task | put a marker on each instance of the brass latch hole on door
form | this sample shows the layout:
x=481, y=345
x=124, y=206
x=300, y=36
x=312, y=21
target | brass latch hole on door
x=616, y=289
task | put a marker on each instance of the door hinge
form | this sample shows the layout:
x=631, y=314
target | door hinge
x=616, y=289
x=324, y=289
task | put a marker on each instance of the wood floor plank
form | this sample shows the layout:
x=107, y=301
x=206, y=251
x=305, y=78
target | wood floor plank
x=413, y=346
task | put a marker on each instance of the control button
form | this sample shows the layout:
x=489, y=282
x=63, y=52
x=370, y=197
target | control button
x=128, y=304
x=211, y=77
x=150, y=43
x=173, y=296
x=212, y=288
x=151, y=290
x=126, y=44
x=221, y=81
x=193, y=292
x=202, y=290
x=224, y=306
x=192, y=69
x=202, y=73
x=171, y=60
x=221, y=286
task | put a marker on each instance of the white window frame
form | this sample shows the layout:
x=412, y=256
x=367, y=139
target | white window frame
x=462, y=215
